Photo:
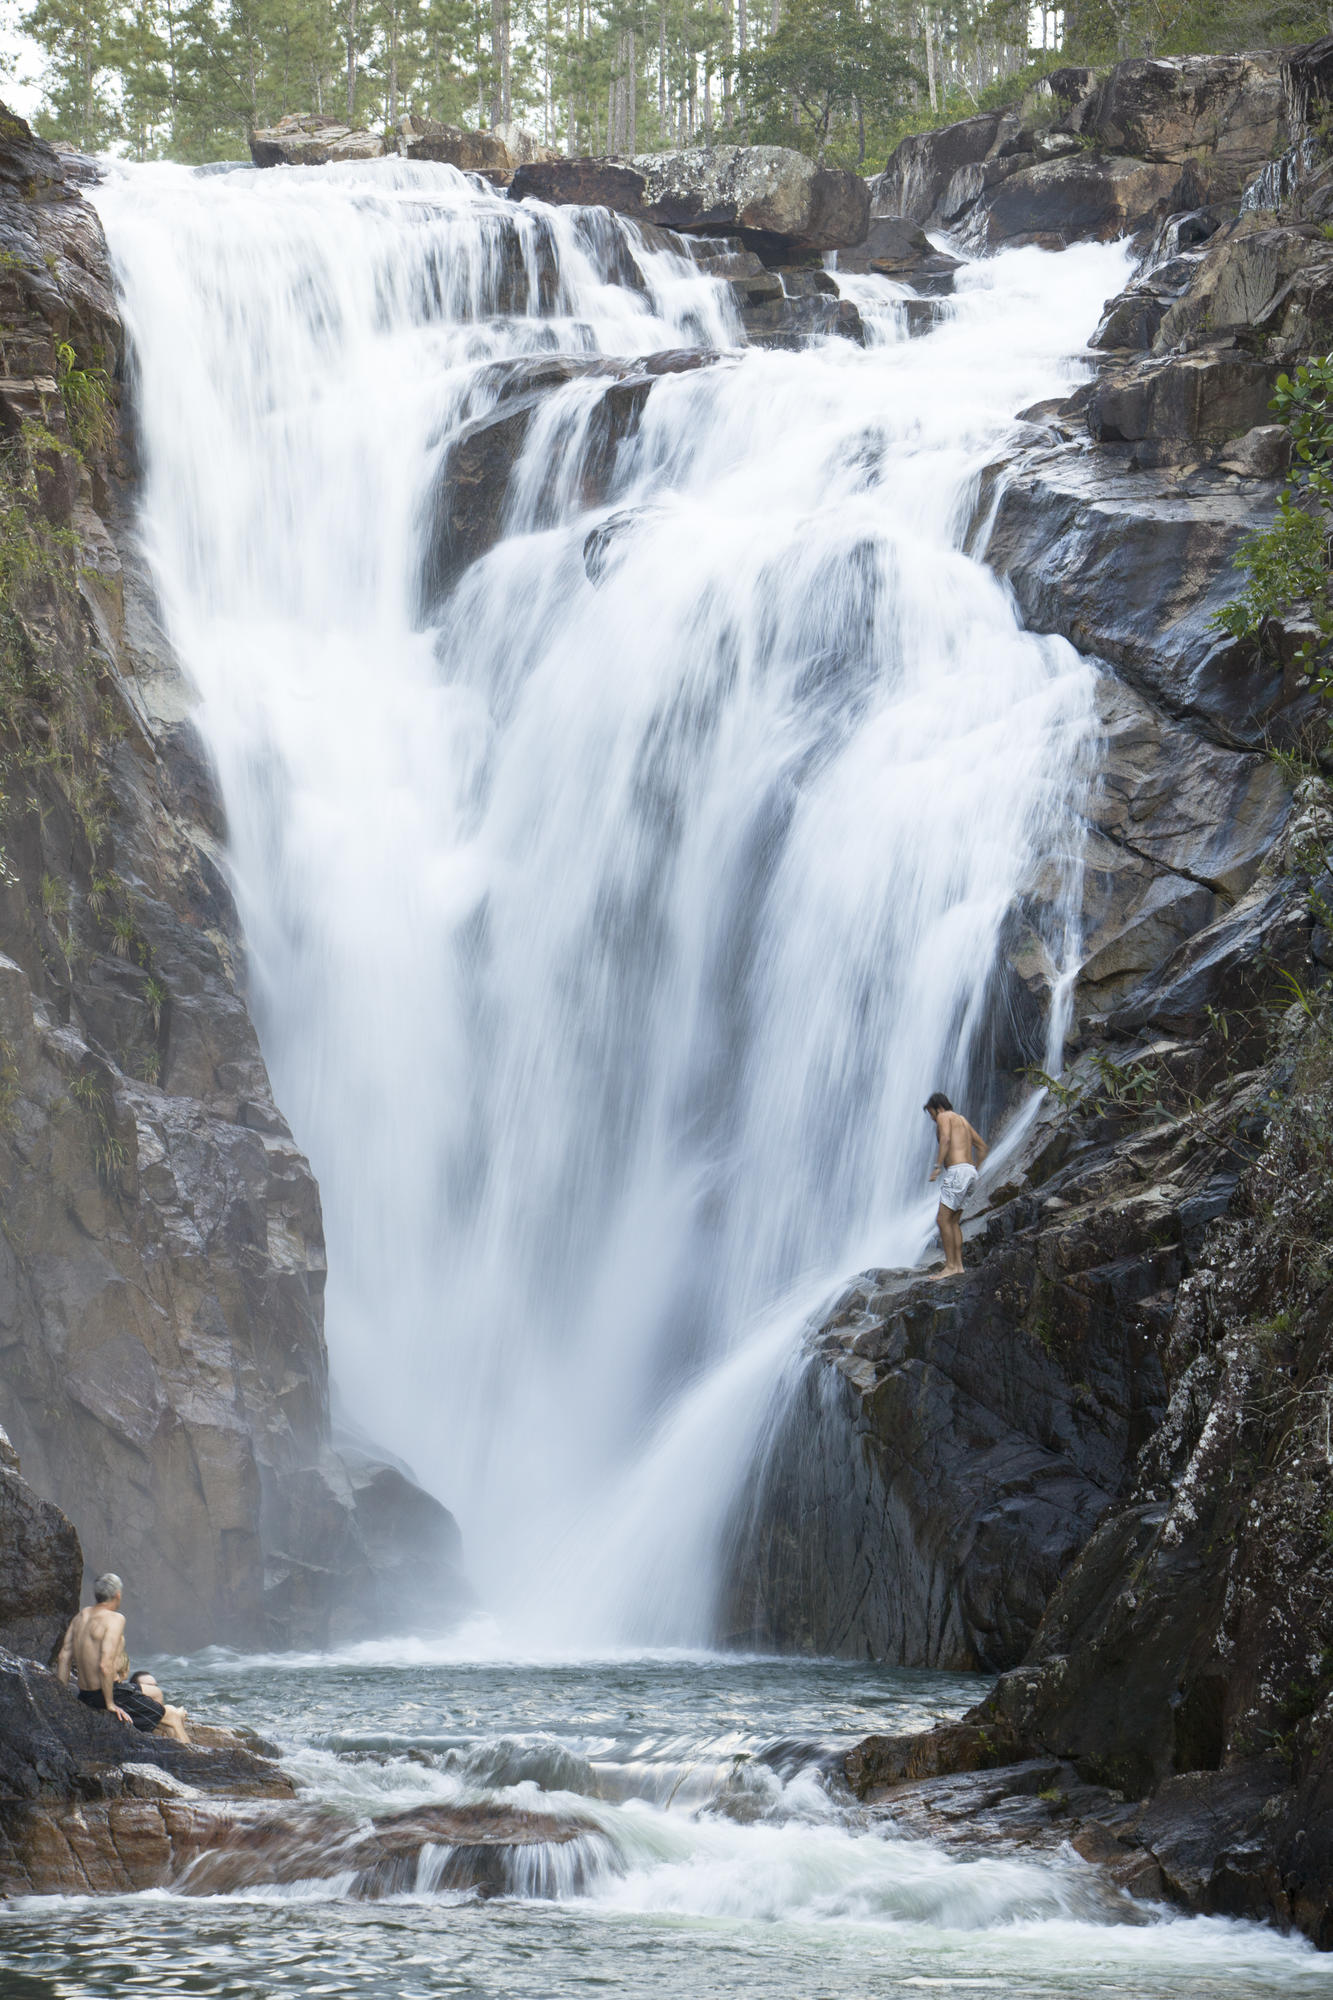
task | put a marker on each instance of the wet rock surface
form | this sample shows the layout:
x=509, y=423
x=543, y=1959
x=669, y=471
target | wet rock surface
x=41, y=1565
x=162, y=1263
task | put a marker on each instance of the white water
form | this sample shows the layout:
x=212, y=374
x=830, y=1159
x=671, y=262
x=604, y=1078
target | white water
x=724, y=1856
x=605, y=940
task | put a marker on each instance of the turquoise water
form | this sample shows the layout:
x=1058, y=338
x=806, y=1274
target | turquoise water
x=734, y=1863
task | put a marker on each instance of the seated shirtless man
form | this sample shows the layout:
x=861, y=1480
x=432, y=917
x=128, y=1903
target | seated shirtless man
x=94, y=1646
x=954, y=1159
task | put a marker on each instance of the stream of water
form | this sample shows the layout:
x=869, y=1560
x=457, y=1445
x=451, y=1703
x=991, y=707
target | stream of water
x=732, y=1864
x=609, y=921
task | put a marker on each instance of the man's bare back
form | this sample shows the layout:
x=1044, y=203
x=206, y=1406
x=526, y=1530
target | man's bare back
x=957, y=1138
x=95, y=1646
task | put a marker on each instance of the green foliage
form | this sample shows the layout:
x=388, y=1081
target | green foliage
x=826, y=60
x=1287, y=565
x=91, y=1092
x=86, y=395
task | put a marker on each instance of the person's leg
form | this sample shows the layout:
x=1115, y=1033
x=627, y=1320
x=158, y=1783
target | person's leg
x=942, y=1216
x=173, y=1724
x=955, y=1257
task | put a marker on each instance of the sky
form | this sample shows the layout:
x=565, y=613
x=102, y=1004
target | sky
x=20, y=63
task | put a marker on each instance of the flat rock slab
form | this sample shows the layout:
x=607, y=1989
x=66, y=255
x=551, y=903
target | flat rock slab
x=210, y=1847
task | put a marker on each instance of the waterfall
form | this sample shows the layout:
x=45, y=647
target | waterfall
x=610, y=918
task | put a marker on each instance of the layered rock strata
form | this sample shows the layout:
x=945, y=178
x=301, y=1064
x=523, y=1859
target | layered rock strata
x=162, y=1263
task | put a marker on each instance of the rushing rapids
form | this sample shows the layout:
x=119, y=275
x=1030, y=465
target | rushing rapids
x=713, y=1853
x=613, y=899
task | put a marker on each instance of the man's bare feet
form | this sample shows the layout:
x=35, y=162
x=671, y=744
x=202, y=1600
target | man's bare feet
x=949, y=1271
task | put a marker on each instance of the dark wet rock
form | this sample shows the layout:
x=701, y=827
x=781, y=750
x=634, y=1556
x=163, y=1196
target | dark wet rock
x=468, y=508
x=41, y=1565
x=1152, y=138
x=774, y=198
x=1228, y=112
x=54, y=1748
x=1088, y=197
x=789, y=308
x=896, y=248
x=1205, y=397
x=308, y=139
x=1133, y=570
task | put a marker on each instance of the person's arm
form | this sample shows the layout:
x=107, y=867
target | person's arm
x=65, y=1657
x=979, y=1143
x=939, y=1152
x=107, y=1662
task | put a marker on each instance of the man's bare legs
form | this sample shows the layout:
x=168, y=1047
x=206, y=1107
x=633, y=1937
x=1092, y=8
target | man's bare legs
x=951, y=1237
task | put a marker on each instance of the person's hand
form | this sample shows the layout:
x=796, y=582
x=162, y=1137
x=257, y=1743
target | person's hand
x=121, y=1713
x=935, y=1176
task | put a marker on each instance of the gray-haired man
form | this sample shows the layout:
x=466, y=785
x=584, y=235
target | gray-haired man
x=94, y=1646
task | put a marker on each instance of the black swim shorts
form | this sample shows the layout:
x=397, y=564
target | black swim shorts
x=143, y=1712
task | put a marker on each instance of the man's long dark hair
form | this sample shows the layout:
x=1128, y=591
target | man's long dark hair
x=937, y=1101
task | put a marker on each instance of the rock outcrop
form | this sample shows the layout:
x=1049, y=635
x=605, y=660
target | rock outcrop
x=1169, y=1712
x=497, y=154
x=89, y=1807
x=309, y=139
x=1089, y=160
x=162, y=1358
x=41, y=1565
x=777, y=200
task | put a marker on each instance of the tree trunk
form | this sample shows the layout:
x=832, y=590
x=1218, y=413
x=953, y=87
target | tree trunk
x=351, y=62
x=930, y=64
x=500, y=96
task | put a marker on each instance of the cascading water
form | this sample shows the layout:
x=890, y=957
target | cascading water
x=608, y=927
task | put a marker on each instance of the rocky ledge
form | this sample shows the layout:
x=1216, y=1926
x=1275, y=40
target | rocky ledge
x=89, y=1807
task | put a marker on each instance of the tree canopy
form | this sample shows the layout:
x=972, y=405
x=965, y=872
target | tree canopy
x=843, y=79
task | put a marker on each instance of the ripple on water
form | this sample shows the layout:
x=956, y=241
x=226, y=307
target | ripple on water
x=723, y=1860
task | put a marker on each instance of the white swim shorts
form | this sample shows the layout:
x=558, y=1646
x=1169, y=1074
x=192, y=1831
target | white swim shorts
x=956, y=1185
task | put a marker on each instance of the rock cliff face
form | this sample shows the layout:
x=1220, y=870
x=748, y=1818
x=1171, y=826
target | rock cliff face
x=162, y=1264
x=987, y=1426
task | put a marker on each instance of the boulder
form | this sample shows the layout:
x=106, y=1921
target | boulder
x=1152, y=137
x=897, y=248
x=1087, y=197
x=1205, y=397
x=495, y=154
x=774, y=198
x=1230, y=111
x=914, y=183
x=54, y=1748
x=41, y=1566
x=308, y=139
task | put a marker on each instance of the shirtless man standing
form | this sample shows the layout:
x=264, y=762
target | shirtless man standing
x=95, y=1646
x=954, y=1160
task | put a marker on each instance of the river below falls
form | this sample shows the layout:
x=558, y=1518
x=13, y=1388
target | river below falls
x=735, y=1864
